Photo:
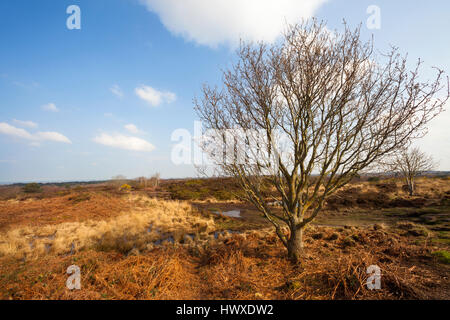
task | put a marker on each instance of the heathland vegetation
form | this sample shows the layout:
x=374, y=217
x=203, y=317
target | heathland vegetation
x=155, y=243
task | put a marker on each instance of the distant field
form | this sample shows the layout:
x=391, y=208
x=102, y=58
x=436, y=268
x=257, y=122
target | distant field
x=176, y=241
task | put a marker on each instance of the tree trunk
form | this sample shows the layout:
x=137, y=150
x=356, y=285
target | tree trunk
x=411, y=188
x=295, y=245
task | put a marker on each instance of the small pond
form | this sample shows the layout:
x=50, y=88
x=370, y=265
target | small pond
x=231, y=213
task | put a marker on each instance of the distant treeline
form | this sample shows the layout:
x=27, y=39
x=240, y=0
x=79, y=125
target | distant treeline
x=60, y=184
x=72, y=183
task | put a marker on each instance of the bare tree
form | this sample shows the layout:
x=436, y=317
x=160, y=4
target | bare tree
x=305, y=115
x=154, y=180
x=410, y=164
x=118, y=179
x=142, y=181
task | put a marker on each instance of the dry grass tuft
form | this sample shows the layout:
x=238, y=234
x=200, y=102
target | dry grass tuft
x=151, y=220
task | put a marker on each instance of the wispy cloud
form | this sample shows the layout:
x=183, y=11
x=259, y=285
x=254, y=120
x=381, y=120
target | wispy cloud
x=50, y=107
x=10, y=130
x=132, y=128
x=155, y=97
x=52, y=136
x=215, y=22
x=35, y=138
x=124, y=142
x=31, y=85
x=117, y=91
x=27, y=124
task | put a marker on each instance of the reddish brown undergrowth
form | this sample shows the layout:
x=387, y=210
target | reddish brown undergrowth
x=248, y=266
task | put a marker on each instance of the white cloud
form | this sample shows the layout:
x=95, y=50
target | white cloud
x=10, y=130
x=50, y=107
x=28, y=124
x=213, y=22
x=132, y=128
x=52, y=136
x=35, y=138
x=116, y=90
x=124, y=142
x=436, y=142
x=153, y=96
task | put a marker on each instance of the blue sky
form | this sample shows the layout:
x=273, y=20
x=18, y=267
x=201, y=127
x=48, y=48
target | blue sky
x=104, y=100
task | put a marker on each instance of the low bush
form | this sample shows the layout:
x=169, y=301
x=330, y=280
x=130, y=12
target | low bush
x=443, y=256
x=125, y=187
x=32, y=188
